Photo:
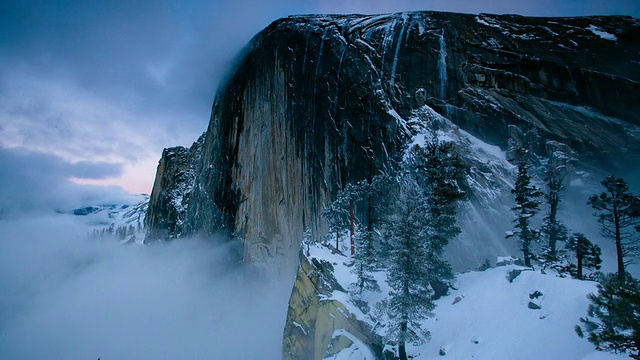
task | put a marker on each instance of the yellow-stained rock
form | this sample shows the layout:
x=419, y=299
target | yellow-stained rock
x=314, y=316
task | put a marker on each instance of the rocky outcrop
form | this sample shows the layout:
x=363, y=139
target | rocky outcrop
x=318, y=325
x=172, y=189
x=319, y=101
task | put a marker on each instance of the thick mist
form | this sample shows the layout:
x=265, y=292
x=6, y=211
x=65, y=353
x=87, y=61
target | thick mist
x=65, y=296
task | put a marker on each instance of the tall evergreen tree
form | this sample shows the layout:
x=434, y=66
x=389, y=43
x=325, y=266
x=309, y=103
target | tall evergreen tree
x=587, y=255
x=423, y=224
x=619, y=218
x=340, y=213
x=441, y=172
x=526, y=206
x=364, y=262
x=613, y=317
x=410, y=299
x=365, y=256
x=556, y=170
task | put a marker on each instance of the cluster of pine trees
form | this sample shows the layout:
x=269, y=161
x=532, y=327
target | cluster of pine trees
x=121, y=232
x=553, y=232
x=410, y=218
x=613, y=317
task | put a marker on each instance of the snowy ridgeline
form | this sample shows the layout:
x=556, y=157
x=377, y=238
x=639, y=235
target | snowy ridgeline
x=485, y=317
x=124, y=221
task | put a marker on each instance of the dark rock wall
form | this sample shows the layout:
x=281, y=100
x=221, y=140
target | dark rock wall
x=317, y=101
x=171, y=192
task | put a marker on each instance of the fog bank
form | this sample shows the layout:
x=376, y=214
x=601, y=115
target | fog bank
x=65, y=296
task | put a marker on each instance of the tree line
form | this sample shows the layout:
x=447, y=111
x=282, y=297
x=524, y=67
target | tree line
x=613, y=316
x=410, y=218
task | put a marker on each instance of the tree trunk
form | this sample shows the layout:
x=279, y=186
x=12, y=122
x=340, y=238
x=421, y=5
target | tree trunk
x=525, y=238
x=337, y=240
x=527, y=256
x=553, y=232
x=579, y=257
x=370, y=213
x=402, y=351
x=351, y=227
x=619, y=252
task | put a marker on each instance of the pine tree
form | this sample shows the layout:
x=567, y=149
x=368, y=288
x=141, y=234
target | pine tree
x=340, y=213
x=613, y=317
x=307, y=240
x=619, y=217
x=424, y=222
x=410, y=299
x=374, y=193
x=556, y=170
x=526, y=206
x=440, y=170
x=587, y=255
x=364, y=262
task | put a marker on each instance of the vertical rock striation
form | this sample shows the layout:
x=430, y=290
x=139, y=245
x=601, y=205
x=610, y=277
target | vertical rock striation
x=171, y=192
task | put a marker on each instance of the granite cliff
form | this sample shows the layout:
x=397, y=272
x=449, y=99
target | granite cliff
x=316, y=102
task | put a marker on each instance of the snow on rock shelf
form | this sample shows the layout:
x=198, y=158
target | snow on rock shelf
x=321, y=322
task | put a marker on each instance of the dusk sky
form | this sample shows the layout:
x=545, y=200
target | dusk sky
x=93, y=91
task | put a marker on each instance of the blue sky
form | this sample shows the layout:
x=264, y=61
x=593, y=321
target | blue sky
x=113, y=83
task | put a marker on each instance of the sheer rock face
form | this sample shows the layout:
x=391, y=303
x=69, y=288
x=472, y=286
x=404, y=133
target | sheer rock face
x=318, y=101
x=172, y=189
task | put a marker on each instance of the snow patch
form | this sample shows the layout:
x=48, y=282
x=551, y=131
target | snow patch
x=602, y=33
x=357, y=350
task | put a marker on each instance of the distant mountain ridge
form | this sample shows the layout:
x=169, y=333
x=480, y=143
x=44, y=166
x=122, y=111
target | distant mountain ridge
x=124, y=221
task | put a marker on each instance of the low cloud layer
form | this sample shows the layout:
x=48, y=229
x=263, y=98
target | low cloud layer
x=68, y=297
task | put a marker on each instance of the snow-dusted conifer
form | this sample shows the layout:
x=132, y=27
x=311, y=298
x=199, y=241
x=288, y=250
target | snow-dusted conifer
x=307, y=240
x=411, y=299
x=423, y=223
x=442, y=174
x=619, y=218
x=339, y=213
x=375, y=195
x=557, y=167
x=364, y=262
x=526, y=206
x=587, y=255
x=613, y=317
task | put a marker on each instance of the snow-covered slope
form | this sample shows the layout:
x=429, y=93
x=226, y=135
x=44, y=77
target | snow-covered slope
x=124, y=220
x=486, y=316
x=491, y=178
x=492, y=319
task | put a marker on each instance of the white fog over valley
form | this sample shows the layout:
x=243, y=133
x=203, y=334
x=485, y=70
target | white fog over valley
x=66, y=296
